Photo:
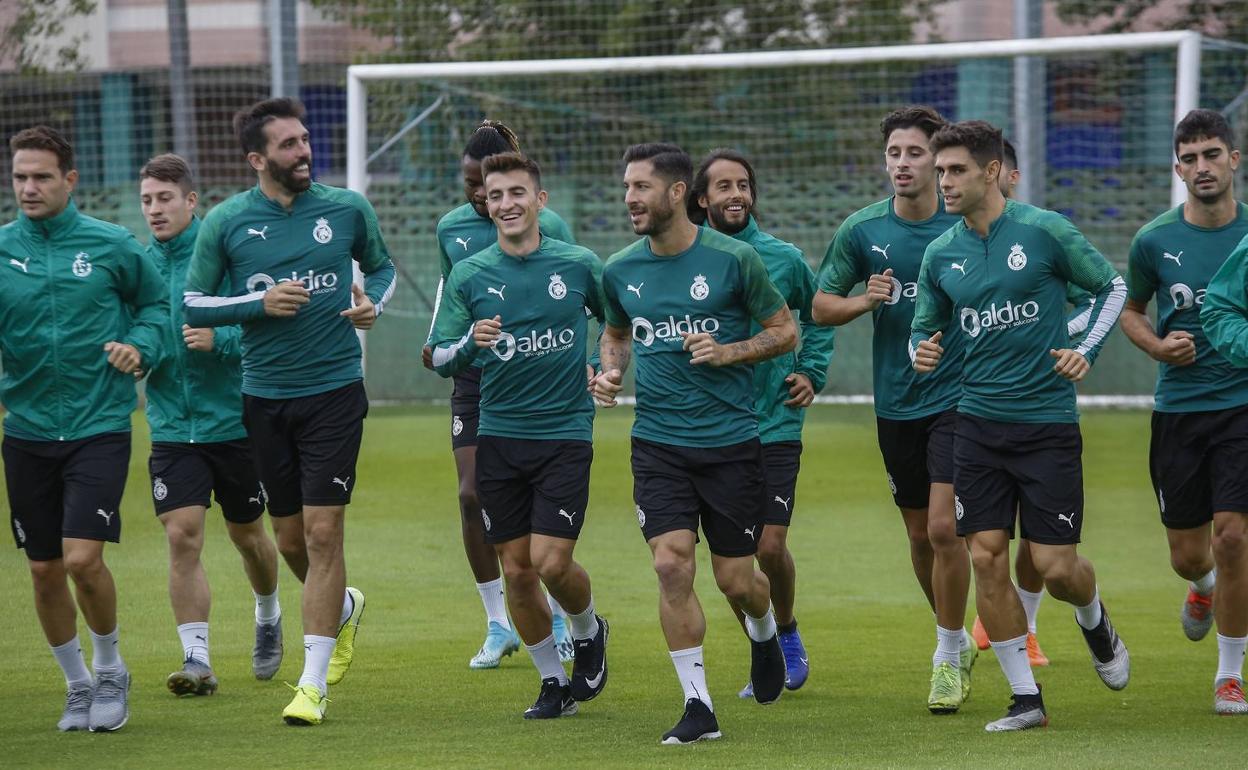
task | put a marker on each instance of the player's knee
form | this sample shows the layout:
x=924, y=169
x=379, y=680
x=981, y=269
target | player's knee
x=674, y=571
x=520, y=577
x=943, y=535
x=184, y=541
x=1188, y=564
x=84, y=565
x=323, y=537
x=1058, y=571
x=1229, y=542
x=990, y=561
x=772, y=553
x=736, y=588
x=47, y=575
x=919, y=540
x=469, y=503
x=551, y=567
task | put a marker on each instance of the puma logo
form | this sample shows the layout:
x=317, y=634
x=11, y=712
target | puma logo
x=343, y=482
x=261, y=232
x=498, y=291
x=698, y=665
x=463, y=242
x=108, y=517
x=255, y=499
x=636, y=289
x=783, y=502
x=200, y=638
x=1175, y=257
x=959, y=267
x=883, y=251
x=1069, y=518
x=21, y=264
x=750, y=531
x=567, y=516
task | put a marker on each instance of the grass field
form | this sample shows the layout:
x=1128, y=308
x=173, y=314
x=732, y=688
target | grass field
x=410, y=699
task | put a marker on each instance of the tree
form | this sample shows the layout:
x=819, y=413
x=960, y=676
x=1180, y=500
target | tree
x=1219, y=18
x=31, y=40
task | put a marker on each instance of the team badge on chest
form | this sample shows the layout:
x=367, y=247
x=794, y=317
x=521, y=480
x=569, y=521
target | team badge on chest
x=699, y=290
x=1017, y=260
x=82, y=264
x=322, y=232
x=557, y=288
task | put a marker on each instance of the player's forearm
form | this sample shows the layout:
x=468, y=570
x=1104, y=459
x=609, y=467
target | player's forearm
x=615, y=352
x=1140, y=331
x=450, y=357
x=772, y=341
x=1227, y=330
x=816, y=353
x=1109, y=303
x=379, y=285
x=834, y=310
x=202, y=310
x=146, y=332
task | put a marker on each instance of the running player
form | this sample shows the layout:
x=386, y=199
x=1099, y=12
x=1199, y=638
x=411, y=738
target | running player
x=1000, y=274
x=1200, y=420
x=685, y=297
x=82, y=313
x=199, y=445
x=286, y=247
x=534, y=450
x=724, y=193
x=462, y=232
x=882, y=246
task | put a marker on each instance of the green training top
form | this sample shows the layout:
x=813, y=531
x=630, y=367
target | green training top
x=533, y=380
x=867, y=243
x=716, y=286
x=792, y=277
x=1007, y=294
x=192, y=396
x=1224, y=315
x=255, y=243
x=68, y=285
x=1174, y=260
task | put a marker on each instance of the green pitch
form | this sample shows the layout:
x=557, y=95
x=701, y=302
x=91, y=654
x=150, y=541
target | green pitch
x=410, y=700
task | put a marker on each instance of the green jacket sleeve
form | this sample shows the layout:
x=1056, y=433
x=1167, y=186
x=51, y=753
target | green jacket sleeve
x=144, y=292
x=762, y=298
x=595, y=306
x=201, y=305
x=1224, y=314
x=369, y=250
x=1078, y=318
x=1081, y=264
x=453, y=347
x=817, y=341
x=613, y=311
x=932, y=307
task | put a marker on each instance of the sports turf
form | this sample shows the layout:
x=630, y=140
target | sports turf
x=410, y=700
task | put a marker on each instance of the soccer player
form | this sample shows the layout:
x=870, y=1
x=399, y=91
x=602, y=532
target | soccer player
x=1000, y=274
x=882, y=246
x=286, y=247
x=1200, y=418
x=82, y=311
x=534, y=448
x=199, y=445
x=684, y=296
x=723, y=195
x=462, y=232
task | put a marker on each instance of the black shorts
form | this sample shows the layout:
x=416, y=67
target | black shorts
x=781, y=462
x=305, y=448
x=675, y=487
x=1199, y=465
x=1032, y=470
x=531, y=486
x=60, y=489
x=190, y=474
x=466, y=408
x=917, y=454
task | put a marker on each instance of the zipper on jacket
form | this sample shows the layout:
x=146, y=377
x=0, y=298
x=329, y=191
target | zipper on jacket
x=56, y=352
x=182, y=355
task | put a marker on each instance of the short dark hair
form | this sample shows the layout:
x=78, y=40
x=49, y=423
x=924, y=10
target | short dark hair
x=491, y=138
x=980, y=138
x=919, y=116
x=45, y=138
x=169, y=168
x=1010, y=156
x=503, y=162
x=249, y=122
x=669, y=160
x=1203, y=124
x=702, y=180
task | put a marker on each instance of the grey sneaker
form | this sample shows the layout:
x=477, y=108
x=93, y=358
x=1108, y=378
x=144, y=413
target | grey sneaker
x=266, y=656
x=1109, y=654
x=110, y=701
x=195, y=678
x=1228, y=697
x=1025, y=712
x=77, y=710
x=1196, y=615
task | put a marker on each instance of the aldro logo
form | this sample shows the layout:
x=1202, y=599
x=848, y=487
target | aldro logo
x=908, y=290
x=998, y=317
x=314, y=282
x=1184, y=298
x=671, y=328
x=534, y=343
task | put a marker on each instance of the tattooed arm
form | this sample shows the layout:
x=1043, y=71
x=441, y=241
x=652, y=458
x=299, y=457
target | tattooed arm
x=778, y=336
x=614, y=351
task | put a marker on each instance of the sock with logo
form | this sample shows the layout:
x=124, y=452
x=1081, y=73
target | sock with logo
x=73, y=665
x=268, y=608
x=1231, y=657
x=348, y=606
x=760, y=629
x=546, y=657
x=105, y=657
x=948, y=646
x=1012, y=655
x=584, y=625
x=317, y=650
x=495, y=602
x=692, y=674
x=1204, y=585
x=1089, y=615
x=1031, y=605
x=194, y=638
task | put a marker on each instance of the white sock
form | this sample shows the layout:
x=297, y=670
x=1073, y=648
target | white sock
x=348, y=606
x=760, y=629
x=583, y=624
x=1012, y=655
x=268, y=608
x=1231, y=657
x=692, y=674
x=495, y=602
x=555, y=609
x=1031, y=605
x=546, y=658
x=194, y=638
x=1204, y=585
x=1089, y=616
x=104, y=653
x=317, y=650
x=74, y=666
x=948, y=646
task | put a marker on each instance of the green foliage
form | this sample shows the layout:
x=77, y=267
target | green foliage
x=1224, y=19
x=31, y=40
